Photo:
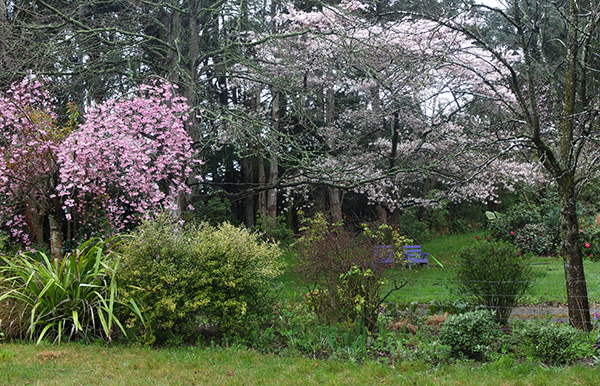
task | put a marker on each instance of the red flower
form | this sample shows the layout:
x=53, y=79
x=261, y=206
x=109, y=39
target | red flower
x=587, y=245
x=512, y=233
x=581, y=231
x=476, y=237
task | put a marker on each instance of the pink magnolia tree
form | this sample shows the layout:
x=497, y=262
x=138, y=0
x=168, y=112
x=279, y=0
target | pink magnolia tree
x=130, y=158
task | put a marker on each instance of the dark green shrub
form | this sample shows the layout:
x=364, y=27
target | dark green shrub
x=590, y=242
x=534, y=238
x=214, y=211
x=551, y=343
x=75, y=297
x=190, y=277
x=493, y=274
x=471, y=335
x=410, y=223
x=275, y=230
x=532, y=228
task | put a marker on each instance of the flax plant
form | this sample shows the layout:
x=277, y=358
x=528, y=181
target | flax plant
x=74, y=297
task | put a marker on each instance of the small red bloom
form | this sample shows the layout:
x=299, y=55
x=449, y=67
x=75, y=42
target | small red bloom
x=512, y=233
x=476, y=237
x=587, y=245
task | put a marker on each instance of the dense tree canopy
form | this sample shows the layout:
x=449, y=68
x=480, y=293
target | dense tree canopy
x=295, y=104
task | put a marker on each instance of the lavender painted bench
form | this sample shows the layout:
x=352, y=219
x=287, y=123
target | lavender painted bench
x=383, y=254
x=413, y=255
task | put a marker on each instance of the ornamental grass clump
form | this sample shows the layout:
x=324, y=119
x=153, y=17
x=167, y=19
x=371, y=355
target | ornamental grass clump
x=494, y=275
x=70, y=298
x=197, y=278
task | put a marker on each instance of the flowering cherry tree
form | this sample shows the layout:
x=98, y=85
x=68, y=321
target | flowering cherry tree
x=131, y=157
x=378, y=107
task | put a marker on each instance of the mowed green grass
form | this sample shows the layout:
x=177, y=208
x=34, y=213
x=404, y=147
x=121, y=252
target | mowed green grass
x=73, y=364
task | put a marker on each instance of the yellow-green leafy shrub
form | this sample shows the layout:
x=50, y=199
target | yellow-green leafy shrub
x=188, y=278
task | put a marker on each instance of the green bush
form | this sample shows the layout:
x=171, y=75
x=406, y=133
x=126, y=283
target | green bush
x=471, y=335
x=532, y=228
x=590, y=242
x=214, y=211
x=75, y=297
x=535, y=238
x=345, y=281
x=551, y=343
x=275, y=229
x=189, y=278
x=493, y=274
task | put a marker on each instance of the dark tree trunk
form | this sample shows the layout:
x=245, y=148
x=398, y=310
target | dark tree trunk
x=249, y=211
x=577, y=296
x=262, y=180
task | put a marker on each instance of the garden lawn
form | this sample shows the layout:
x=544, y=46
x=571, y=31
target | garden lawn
x=74, y=364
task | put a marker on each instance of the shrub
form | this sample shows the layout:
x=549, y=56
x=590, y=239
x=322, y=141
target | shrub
x=190, y=277
x=494, y=275
x=470, y=335
x=275, y=229
x=214, y=211
x=532, y=228
x=534, y=238
x=590, y=242
x=551, y=343
x=74, y=297
x=344, y=279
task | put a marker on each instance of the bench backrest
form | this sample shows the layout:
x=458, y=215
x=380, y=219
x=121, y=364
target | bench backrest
x=412, y=250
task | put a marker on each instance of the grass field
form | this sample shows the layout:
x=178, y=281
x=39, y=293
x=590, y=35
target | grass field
x=74, y=364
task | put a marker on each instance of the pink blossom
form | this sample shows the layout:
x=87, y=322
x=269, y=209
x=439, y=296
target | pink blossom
x=131, y=157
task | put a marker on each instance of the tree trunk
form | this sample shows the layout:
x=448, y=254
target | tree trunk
x=577, y=296
x=274, y=161
x=272, y=193
x=3, y=12
x=335, y=196
x=335, y=204
x=249, y=211
x=262, y=180
x=35, y=222
x=56, y=236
